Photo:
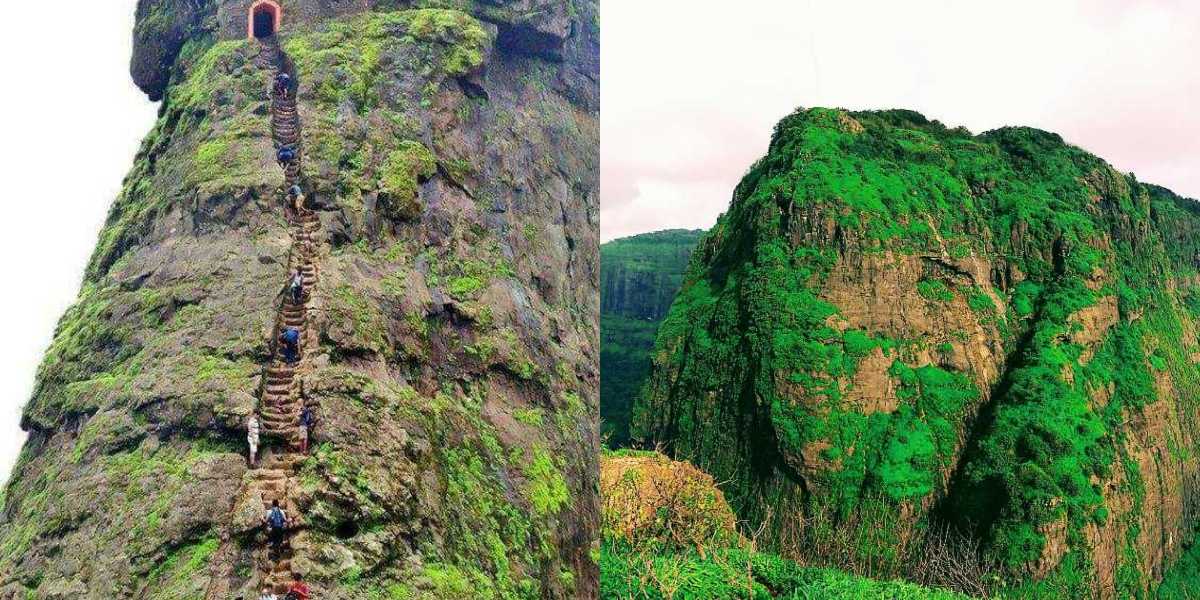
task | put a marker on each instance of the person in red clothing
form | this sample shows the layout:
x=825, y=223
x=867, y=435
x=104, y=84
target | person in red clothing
x=299, y=590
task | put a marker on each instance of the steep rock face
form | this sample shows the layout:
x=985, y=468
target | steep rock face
x=455, y=379
x=899, y=325
x=639, y=276
x=547, y=28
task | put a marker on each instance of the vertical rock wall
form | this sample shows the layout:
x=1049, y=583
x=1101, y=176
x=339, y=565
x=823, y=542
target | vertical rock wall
x=453, y=158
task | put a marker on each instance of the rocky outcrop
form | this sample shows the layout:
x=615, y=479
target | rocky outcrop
x=562, y=32
x=639, y=277
x=455, y=365
x=899, y=325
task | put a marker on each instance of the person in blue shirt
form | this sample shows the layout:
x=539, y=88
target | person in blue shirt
x=276, y=522
x=291, y=345
x=285, y=155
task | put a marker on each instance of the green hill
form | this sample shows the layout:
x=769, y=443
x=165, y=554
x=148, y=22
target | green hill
x=900, y=326
x=639, y=276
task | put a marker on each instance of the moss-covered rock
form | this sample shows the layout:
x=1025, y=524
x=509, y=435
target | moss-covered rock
x=402, y=171
x=899, y=326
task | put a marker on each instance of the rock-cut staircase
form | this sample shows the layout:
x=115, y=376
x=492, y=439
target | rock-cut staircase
x=282, y=400
x=275, y=478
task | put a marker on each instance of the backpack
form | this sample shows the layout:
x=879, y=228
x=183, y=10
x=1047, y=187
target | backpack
x=291, y=336
x=276, y=518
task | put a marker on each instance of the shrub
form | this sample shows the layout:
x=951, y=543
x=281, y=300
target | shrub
x=649, y=500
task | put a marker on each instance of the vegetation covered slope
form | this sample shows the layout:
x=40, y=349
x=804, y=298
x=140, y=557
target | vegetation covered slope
x=900, y=328
x=639, y=276
x=453, y=158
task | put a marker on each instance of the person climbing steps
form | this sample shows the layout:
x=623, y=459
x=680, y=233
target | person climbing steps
x=285, y=156
x=276, y=522
x=252, y=430
x=295, y=286
x=296, y=196
x=299, y=589
x=306, y=422
x=290, y=338
x=283, y=83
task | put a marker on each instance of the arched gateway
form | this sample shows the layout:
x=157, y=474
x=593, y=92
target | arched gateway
x=264, y=19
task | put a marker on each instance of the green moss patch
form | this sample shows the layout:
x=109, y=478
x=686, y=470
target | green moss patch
x=405, y=168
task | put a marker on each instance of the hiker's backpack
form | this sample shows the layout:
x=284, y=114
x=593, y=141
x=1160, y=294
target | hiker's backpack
x=276, y=518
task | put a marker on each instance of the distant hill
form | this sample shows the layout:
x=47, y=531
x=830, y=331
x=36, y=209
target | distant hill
x=639, y=276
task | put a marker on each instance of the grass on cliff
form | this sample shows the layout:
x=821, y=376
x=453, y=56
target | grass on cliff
x=350, y=62
x=498, y=503
x=1182, y=580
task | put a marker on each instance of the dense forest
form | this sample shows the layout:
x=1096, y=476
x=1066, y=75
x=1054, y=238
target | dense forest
x=639, y=276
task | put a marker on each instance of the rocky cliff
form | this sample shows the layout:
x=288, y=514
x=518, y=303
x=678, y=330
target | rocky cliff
x=900, y=328
x=639, y=276
x=450, y=351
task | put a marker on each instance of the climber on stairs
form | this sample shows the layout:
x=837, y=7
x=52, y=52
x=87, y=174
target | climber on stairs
x=285, y=156
x=296, y=286
x=299, y=589
x=296, y=195
x=283, y=83
x=276, y=522
x=290, y=338
x=252, y=438
x=306, y=421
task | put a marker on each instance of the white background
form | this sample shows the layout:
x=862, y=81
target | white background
x=71, y=121
x=691, y=89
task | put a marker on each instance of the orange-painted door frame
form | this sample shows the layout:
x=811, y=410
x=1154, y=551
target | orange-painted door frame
x=270, y=5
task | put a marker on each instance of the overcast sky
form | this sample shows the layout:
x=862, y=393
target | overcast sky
x=71, y=120
x=690, y=90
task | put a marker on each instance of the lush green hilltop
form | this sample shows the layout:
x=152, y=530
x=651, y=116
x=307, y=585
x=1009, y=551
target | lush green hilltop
x=901, y=329
x=639, y=276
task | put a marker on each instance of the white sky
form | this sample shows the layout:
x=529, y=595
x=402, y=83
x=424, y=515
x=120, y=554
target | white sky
x=72, y=121
x=691, y=89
